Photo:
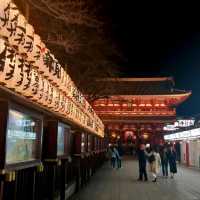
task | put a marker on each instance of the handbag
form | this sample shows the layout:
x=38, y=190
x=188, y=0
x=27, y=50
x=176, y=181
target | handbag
x=151, y=158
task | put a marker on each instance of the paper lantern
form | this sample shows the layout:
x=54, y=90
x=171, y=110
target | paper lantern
x=66, y=104
x=50, y=65
x=35, y=55
x=56, y=72
x=29, y=40
x=4, y=17
x=34, y=83
x=52, y=94
x=8, y=64
x=64, y=79
x=45, y=62
x=18, y=38
x=62, y=103
x=16, y=80
x=40, y=91
x=3, y=51
x=56, y=99
x=46, y=92
x=27, y=79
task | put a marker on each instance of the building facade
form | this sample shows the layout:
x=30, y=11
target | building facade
x=138, y=108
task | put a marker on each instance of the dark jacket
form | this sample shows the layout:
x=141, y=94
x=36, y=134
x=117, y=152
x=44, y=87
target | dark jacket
x=141, y=156
x=172, y=162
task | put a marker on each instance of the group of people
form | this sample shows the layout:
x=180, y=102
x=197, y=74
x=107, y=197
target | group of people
x=115, y=155
x=156, y=158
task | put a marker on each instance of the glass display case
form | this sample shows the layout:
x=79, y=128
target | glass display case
x=23, y=137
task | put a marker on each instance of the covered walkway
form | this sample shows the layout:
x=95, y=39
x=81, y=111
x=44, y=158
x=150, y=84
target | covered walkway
x=109, y=184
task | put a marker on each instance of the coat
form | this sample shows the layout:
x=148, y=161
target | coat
x=142, y=157
x=155, y=165
x=172, y=162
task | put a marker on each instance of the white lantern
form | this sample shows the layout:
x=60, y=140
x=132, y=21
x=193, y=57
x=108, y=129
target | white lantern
x=29, y=40
x=3, y=50
x=50, y=96
x=63, y=80
x=61, y=77
x=40, y=93
x=35, y=55
x=55, y=99
x=13, y=20
x=8, y=65
x=4, y=17
x=25, y=87
x=18, y=39
x=46, y=92
x=18, y=75
x=44, y=61
x=34, y=83
x=50, y=66
x=56, y=72
x=37, y=92
x=62, y=103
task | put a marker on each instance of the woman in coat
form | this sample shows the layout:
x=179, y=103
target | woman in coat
x=154, y=163
x=164, y=161
x=172, y=162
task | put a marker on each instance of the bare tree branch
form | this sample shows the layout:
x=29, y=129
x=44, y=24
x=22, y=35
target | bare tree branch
x=69, y=11
x=70, y=43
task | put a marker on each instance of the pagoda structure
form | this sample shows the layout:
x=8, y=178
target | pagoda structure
x=138, y=108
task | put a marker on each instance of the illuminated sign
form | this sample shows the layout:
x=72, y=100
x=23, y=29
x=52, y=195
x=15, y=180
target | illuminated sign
x=179, y=124
x=184, y=123
x=190, y=134
x=170, y=128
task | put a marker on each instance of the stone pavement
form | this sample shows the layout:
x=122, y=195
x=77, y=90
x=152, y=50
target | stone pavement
x=110, y=184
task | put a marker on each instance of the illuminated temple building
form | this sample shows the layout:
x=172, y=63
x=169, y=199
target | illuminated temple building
x=138, y=108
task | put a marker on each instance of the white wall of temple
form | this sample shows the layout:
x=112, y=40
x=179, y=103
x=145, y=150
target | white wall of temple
x=194, y=153
x=183, y=152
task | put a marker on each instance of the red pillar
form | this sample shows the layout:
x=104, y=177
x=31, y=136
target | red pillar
x=187, y=155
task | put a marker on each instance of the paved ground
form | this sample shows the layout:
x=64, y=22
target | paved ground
x=109, y=184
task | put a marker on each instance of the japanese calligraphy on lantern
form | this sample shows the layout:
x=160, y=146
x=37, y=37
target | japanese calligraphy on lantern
x=30, y=69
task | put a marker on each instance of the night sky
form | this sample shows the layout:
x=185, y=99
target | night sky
x=159, y=40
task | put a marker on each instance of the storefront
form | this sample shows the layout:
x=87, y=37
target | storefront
x=45, y=120
x=189, y=142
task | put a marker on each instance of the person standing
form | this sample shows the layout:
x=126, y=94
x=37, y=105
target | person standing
x=113, y=157
x=109, y=155
x=154, y=162
x=118, y=158
x=164, y=161
x=142, y=163
x=172, y=162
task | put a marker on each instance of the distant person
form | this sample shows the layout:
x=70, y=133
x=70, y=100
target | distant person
x=113, y=157
x=109, y=155
x=164, y=154
x=142, y=163
x=120, y=153
x=154, y=162
x=117, y=158
x=172, y=161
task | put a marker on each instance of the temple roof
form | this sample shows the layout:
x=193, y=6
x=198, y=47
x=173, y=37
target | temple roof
x=142, y=86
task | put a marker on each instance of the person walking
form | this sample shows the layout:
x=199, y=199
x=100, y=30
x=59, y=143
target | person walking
x=154, y=162
x=164, y=161
x=172, y=162
x=120, y=152
x=113, y=158
x=118, y=158
x=142, y=163
x=109, y=155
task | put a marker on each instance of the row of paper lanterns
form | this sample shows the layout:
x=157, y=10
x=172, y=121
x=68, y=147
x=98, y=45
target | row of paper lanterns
x=19, y=36
x=19, y=75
